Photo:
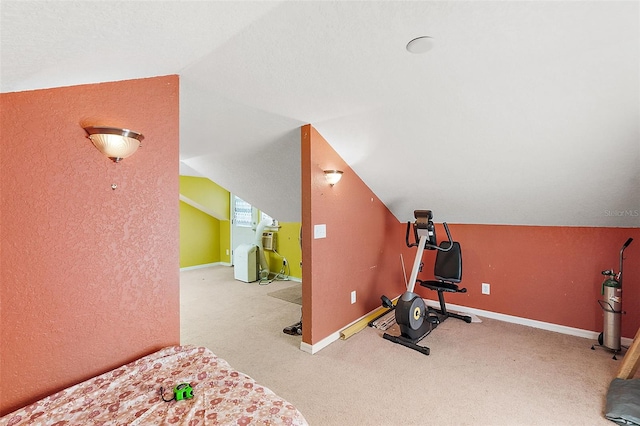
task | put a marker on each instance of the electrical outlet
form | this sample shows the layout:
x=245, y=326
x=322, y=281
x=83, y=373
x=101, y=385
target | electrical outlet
x=227, y=252
x=284, y=261
x=353, y=297
x=486, y=288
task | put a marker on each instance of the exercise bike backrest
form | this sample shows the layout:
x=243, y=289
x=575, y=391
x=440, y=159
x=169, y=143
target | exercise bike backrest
x=424, y=226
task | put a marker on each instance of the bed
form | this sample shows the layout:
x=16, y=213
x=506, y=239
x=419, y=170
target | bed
x=130, y=395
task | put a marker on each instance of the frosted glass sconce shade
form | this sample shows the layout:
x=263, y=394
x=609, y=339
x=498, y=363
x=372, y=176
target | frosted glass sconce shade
x=333, y=176
x=113, y=142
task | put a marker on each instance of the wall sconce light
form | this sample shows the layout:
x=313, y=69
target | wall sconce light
x=113, y=142
x=333, y=176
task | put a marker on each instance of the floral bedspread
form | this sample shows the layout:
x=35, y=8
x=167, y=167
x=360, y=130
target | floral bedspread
x=130, y=395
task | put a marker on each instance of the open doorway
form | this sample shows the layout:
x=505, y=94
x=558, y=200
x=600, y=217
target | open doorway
x=244, y=222
x=244, y=218
x=215, y=220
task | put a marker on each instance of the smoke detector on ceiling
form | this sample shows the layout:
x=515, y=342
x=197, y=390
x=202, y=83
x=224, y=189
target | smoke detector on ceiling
x=420, y=44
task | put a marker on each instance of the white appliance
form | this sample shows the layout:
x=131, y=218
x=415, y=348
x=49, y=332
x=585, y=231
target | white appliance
x=269, y=241
x=245, y=263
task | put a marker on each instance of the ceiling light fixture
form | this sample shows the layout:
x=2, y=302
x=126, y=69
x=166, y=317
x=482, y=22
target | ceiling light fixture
x=333, y=176
x=114, y=142
x=420, y=44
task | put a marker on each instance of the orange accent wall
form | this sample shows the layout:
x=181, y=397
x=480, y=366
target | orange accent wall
x=549, y=274
x=90, y=275
x=361, y=251
x=544, y=273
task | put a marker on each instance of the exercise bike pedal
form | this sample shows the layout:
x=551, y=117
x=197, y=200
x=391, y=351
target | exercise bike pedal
x=386, y=302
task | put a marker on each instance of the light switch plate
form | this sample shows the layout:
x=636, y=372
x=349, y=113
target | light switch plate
x=320, y=231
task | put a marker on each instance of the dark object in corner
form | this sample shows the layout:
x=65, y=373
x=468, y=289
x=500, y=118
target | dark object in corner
x=294, y=330
x=623, y=402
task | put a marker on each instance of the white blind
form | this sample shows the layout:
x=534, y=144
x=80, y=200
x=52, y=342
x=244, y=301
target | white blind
x=242, y=212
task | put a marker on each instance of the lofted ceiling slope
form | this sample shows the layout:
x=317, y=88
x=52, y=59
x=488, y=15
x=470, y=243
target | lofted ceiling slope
x=523, y=113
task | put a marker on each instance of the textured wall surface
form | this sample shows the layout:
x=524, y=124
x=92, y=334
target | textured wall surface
x=508, y=120
x=543, y=273
x=288, y=246
x=362, y=248
x=89, y=274
x=209, y=196
x=199, y=237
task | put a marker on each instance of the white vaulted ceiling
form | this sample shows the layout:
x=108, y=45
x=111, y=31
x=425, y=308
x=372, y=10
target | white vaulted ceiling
x=522, y=113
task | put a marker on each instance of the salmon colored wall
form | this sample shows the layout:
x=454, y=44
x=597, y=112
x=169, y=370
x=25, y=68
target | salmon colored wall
x=90, y=275
x=361, y=251
x=549, y=274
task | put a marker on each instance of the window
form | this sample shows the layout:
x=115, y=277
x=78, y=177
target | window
x=264, y=216
x=241, y=212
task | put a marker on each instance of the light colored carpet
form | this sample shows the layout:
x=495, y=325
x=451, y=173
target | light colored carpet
x=488, y=373
x=291, y=294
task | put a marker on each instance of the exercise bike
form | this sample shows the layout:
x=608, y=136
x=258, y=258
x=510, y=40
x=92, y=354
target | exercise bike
x=415, y=320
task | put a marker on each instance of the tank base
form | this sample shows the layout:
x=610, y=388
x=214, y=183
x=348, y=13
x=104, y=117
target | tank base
x=614, y=351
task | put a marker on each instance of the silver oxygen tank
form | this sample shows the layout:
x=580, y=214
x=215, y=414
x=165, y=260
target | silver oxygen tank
x=612, y=304
x=612, y=307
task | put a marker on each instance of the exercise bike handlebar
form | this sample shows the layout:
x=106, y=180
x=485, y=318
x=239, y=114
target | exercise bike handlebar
x=406, y=236
x=428, y=246
x=446, y=228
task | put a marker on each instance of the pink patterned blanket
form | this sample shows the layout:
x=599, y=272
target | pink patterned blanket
x=130, y=395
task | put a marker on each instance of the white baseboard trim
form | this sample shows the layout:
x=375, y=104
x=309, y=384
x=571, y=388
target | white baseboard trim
x=206, y=265
x=313, y=349
x=587, y=334
x=526, y=321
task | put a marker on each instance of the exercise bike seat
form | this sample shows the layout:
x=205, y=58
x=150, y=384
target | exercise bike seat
x=448, y=273
x=441, y=285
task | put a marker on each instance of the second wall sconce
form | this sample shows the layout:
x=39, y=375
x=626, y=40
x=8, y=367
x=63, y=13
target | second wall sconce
x=333, y=176
x=114, y=142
